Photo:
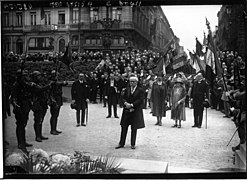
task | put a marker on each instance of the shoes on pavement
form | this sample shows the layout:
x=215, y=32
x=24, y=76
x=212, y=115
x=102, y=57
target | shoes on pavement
x=77, y=125
x=194, y=126
x=83, y=124
x=58, y=131
x=179, y=126
x=175, y=125
x=160, y=124
x=116, y=117
x=54, y=133
x=199, y=126
x=133, y=147
x=38, y=139
x=119, y=146
x=108, y=116
x=156, y=123
x=44, y=138
x=28, y=145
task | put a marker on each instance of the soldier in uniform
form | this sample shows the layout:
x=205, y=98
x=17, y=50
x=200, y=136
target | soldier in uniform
x=21, y=100
x=55, y=101
x=39, y=104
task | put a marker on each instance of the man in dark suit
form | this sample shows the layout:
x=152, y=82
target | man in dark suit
x=111, y=89
x=132, y=115
x=199, y=94
x=80, y=96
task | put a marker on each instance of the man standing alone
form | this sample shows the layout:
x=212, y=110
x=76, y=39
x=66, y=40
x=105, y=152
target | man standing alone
x=80, y=96
x=133, y=97
x=199, y=94
x=111, y=90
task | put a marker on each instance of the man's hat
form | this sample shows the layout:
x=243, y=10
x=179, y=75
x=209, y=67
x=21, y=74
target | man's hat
x=205, y=104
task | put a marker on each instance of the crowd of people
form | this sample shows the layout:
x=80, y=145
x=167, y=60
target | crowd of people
x=110, y=84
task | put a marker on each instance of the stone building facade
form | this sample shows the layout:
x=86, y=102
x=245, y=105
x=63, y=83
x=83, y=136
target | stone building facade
x=232, y=28
x=45, y=29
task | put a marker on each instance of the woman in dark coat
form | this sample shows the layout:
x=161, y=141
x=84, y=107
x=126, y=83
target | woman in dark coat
x=132, y=115
x=158, y=97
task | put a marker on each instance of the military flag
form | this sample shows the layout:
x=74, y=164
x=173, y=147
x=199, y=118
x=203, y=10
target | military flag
x=213, y=66
x=66, y=58
x=199, y=48
x=199, y=65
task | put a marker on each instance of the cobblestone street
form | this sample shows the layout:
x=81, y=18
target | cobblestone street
x=187, y=147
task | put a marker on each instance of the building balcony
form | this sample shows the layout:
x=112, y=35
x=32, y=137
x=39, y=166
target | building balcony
x=46, y=28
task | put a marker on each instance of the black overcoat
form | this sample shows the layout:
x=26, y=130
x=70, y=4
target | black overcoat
x=199, y=93
x=79, y=93
x=135, y=118
x=112, y=92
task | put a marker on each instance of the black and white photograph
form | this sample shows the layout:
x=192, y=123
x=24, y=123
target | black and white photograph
x=123, y=89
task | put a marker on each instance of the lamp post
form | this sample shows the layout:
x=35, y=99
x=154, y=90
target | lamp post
x=107, y=25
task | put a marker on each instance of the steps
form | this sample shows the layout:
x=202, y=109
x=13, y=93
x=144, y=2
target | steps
x=240, y=157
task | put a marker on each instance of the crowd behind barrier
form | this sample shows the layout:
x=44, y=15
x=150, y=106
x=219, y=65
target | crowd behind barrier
x=223, y=95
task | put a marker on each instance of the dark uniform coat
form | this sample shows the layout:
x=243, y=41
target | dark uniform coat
x=135, y=118
x=158, y=97
x=112, y=92
x=199, y=92
x=79, y=93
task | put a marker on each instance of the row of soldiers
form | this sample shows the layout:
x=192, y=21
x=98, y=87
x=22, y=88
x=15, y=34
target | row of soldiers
x=35, y=93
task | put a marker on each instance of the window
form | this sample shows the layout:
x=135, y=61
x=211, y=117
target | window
x=94, y=14
x=118, y=40
x=6, y=45
x=93, y=40
x=19, y=19
x=61, y=17
x=75, y=16
x=5, y=21
x=47, y=18
x=116, y=13
x=41, y=43
x=33, y=18
x=75, y=40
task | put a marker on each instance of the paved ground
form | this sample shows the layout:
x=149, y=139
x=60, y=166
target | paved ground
x=185, y=148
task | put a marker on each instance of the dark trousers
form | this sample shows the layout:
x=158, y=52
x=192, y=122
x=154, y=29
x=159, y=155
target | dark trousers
x=21, y=122
x=114, y=109
x=54, y=110
x=198, y=115
x=39, y=116
x=94, y=95
x=124, y=130
x=82, y=117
